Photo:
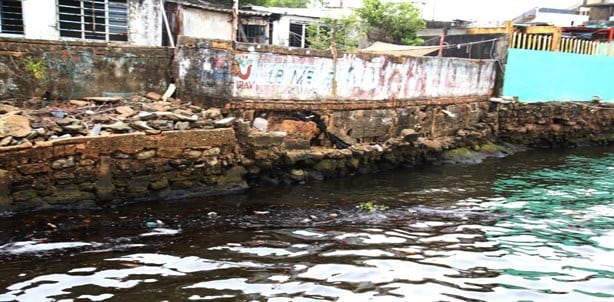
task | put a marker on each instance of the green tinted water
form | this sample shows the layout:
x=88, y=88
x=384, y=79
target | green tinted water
x=535, y=226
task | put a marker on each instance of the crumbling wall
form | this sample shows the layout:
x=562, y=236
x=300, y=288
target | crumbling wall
x=206, y=68
x=65, y=70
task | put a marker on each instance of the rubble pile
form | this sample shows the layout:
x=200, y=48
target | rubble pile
x=96, y=116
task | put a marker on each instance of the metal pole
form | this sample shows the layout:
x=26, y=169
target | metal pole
x=168, y=27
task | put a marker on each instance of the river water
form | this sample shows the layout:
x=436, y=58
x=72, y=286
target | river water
x=534, y=226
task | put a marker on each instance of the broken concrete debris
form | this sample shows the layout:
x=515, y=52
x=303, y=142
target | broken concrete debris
x=94, y=116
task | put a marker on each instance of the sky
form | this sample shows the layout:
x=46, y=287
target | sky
x=483, y=10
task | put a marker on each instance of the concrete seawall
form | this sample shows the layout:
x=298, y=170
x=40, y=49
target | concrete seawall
x=122, y=168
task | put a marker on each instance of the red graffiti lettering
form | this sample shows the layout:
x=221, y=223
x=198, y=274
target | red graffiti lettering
x=245, y=76
x=245, y=85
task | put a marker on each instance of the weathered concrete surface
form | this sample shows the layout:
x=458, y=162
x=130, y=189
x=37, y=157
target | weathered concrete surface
x=208, y=69
x=120, y=168
x=65, y=70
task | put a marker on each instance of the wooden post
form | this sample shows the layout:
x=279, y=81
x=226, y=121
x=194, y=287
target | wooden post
x=556, y=39
x=235, y=19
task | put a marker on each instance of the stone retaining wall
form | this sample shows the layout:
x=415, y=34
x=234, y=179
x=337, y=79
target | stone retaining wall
x=113, y=169
x=120, y=168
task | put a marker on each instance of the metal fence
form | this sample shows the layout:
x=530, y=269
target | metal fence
x=94, y=19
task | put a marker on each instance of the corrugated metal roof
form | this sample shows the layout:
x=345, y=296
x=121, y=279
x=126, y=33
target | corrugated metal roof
x=334, y=13
x=206, y=5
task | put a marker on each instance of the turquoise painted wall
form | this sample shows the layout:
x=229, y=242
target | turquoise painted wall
x=535, y=76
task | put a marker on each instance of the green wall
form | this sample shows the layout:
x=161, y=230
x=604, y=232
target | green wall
x=535, y=76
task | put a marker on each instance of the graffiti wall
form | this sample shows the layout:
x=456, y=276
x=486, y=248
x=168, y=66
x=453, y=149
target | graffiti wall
x=204, y=72
x=267, y=75
x=380, y=78
x=65, y=70
x=261, y=74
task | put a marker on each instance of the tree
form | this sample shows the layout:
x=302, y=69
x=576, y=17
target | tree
x=396, y=22
x=387, y=22
x=347, y=37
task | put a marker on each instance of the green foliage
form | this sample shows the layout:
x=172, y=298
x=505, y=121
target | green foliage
x=36, y=66
x=388, y=22
x=370, y=206
x=319, y=35
x=394, y=22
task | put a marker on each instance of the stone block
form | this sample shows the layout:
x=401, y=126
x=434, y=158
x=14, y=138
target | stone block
x=37, y=168
x=265, y=139
x=63, y=163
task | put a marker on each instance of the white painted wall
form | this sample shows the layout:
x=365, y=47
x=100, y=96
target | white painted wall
x=145, y=23
x=206, y=24
x=281, y=28
x=559, y=19
x=144, y=28
x=39, y=18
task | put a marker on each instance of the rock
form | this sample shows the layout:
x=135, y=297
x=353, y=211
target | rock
x=66, y=121
x=165, y=114
x=213, y=113
x=195, y=108
x=191, y=118
x=145, y=116
x=15, y=126
x=6, y=141
x=79, y=103
x=124, y=110
x=147, y=154
x=299, y=129
x=141, y=125
x=118, y=126
x=186, y=112
x=4, y=109
x=260, y=123
x=159, y=184
x=265, y=139
x=54, y=137
x=297, y=174
x=409, y=135
x=161, y=106
x=72, y=127
x=153, y=96
x=225, y=122
x=103, y=99
x=182, y=126
x=63, y=163
x=58, y=113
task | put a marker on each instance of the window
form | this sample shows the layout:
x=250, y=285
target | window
x=94, y=19
x=298, y=35
x=11, y=17
x=253, y=33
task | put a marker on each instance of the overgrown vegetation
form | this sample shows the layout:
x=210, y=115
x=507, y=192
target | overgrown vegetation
x=36, y=66
x=370, y=206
